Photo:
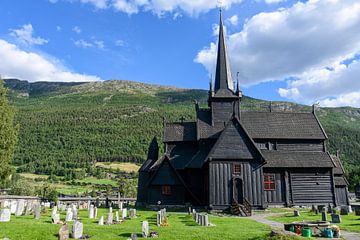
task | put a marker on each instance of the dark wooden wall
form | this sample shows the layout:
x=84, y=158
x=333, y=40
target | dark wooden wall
x=341, y=196
x=311, y=187
x=220, y=183
x=177, y=196
x=277, y=196
x=222, y=111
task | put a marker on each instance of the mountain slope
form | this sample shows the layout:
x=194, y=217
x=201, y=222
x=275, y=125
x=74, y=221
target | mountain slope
x=69, y=126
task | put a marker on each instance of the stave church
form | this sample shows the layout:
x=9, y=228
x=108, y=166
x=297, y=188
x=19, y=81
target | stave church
x=236, y=159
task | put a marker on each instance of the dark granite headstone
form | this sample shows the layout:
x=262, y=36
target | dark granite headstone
x=335, y=218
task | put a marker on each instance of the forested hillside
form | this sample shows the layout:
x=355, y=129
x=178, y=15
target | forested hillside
x=67, y=127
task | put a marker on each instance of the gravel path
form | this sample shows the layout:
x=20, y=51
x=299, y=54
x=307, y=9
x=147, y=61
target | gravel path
x=262, y=218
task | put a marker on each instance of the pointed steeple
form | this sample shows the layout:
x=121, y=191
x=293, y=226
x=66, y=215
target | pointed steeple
x=223, y=79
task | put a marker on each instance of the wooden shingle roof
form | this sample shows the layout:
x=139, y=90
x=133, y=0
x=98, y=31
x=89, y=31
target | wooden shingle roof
x=339, y=169
x=281, y=125
x=290, y=159
x=179, y=132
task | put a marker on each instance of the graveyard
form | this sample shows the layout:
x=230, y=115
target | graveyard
x=179, y=226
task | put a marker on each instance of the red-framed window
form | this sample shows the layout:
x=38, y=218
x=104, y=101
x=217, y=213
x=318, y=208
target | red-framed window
x=236, y=168
x=269, y=182
x=166, y=190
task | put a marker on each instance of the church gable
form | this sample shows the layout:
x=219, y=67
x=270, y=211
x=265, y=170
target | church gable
x=235, y=143
x=165, y=175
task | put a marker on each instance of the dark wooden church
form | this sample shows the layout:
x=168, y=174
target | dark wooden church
x=250, y=159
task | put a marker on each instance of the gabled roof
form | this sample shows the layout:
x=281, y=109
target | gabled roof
x=281, y=125
x=178, y=132
x=290, y=159
x=171, y=175
x=339, y=169
x=198, y=160
x=235, y=143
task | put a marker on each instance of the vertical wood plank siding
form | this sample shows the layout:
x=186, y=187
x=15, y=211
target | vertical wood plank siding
x=221, y=187
x=312, y=188
x=276, y=196
x=341, y=196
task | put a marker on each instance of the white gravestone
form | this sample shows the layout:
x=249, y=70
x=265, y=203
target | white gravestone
x=13, y=206
x=91, y=212
x=124, y=213
x=145, y=229
x=101, y=221
x=20, y=208
x=5, y=215
x=69, y=215
x=77, y=230
x=109, y=220
x=117, y=216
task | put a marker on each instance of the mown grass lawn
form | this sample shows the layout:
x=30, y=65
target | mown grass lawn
x=181, y=226
x=348, y=222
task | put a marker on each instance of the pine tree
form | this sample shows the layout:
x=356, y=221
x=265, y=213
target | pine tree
x=8, y=134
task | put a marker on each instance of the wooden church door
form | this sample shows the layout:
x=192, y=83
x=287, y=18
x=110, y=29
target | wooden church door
x=238, y=193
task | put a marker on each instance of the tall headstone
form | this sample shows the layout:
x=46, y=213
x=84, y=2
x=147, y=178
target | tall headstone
x=158, y=218
x=296, y=213
x=117, y=216
x=91, y=212
x=64, y=232
x=20, y=208
x=74, y=211
x=101, y=221
x=121, y=204
x=37, y=211
x=145, y=229
x=206, y=220
x=132, y=213
x=77, y=230
x=5, y=215
x=95, y=212
x=110, y=209
x=124, y=213
x=109, y=220
x=55, y=219
x=69, y=215
x=323, y=216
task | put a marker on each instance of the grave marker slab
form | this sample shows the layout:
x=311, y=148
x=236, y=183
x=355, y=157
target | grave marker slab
x=5, y=215
x=64, y=232
x=335, y=218
x=77, y=230
x=145, y=229
x=101, y=221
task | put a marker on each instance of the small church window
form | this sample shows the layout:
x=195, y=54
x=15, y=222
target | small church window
x=166, y=190
x=236, y=168
x=269, y=182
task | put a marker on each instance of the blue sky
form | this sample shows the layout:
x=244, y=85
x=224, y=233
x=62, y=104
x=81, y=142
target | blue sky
x=281, y=48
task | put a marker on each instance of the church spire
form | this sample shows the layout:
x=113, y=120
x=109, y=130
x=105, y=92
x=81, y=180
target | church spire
x=223, y=79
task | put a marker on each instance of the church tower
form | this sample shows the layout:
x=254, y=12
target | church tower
x=224, y=100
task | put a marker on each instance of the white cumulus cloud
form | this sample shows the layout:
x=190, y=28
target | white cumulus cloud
x=25, y=35
x=76, y=29
x=16, y=63
x=307, y=43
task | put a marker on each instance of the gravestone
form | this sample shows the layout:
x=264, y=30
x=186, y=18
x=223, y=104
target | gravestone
x=77, y=230
x=13, y=206
x=145, y=229
x=296, y=213
x=109, y=220
x=344, y=211
x=101, y=221
x=28, y=208
x=110, y=209
x=64, y=232
x=69, y=215
x=329, y=208
x=97, y=202
x=124, y=213
x=121, y=205
x=117, y=216
x=95, y=212
x=313, y=208
x=43, y=209
x=132, y=213
x=91, y=212
x=37, y=211
x=335, y=218
x=74, y=211
x=357, y=211
x=20, y=208
x=323, y=216
x=206, y=220
x=55, y=219
x=158, y=218
x=5, y=215
x=134, y=236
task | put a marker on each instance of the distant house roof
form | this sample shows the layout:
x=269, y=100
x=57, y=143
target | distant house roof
x=178, y=132
x=289, y=159
x=276, y=125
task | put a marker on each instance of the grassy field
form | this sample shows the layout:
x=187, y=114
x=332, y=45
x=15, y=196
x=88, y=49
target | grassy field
x=181, y=226
x=125, y=167
x=349, y=222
